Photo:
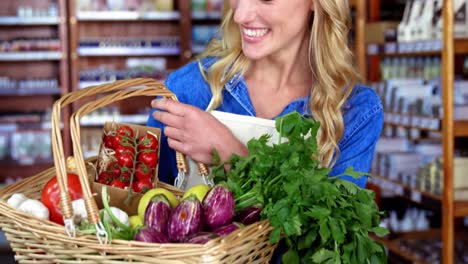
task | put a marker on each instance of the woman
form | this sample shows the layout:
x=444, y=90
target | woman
x=273, y=57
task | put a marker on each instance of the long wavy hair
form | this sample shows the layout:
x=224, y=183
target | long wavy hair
x=330, y=60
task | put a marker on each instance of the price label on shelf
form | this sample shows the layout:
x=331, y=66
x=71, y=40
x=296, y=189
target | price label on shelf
x=390, y=48
x=373, y=49
x=416, y=196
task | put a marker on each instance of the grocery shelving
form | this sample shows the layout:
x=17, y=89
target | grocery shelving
x=31, y=21
x=126, y=16
x=448, y=49
x=36, y=33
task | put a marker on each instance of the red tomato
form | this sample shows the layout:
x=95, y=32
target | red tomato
x=125, y=176
x=148, y=141
x=149, y=158
x=50, y=196
x=119, y=149
x=125, y=159
x=114, y=169
x=118, y=184
x=125, y=131
x=142, y=186
x=105, y=177
x=108, y=141
x=142, y=171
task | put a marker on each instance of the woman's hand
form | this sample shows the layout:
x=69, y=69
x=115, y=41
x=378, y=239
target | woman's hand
x=194, y=132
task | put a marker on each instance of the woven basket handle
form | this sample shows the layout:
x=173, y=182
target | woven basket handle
x=152, y=88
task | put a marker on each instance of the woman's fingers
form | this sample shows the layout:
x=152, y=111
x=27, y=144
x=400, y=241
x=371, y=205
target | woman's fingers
x=169, y=119
x=174, y=133
x=170, y=106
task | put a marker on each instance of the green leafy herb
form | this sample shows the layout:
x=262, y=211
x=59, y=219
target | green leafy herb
x=323, y=219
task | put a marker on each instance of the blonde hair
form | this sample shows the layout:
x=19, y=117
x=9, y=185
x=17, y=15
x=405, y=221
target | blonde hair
x=330, y=60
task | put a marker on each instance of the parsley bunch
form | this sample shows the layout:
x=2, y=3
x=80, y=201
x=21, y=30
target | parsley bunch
x=322, y=219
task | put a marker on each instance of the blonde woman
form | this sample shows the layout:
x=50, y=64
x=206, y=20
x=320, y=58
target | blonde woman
x=273, y=57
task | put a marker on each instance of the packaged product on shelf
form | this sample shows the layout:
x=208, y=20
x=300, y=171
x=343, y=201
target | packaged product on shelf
x=127, y=161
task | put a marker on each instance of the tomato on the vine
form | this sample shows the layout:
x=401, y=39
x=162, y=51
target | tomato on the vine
x=118, y=184
x=50, y=195
x=105, y=177
x=148, y=141
x=125, y=131
x=125, y=159
x=119, y=149
x=149, y=158
x=114, y=169
x=142, y=171
x=125, y=176
x=142, y=186
x=108, y=141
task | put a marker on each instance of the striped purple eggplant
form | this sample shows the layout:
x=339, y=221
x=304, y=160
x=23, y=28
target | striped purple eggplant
x=157, y=214
x=150, y=235
x=248, y=215
x=201, y=238
x=227, y=229
x=218, y=206
x=186, y=219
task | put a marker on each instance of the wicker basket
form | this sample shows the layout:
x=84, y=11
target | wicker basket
x=42, y=241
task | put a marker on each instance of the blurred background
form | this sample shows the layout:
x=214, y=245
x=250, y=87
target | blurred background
x=51, y=47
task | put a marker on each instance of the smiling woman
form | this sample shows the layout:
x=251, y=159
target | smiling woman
x=272, y=58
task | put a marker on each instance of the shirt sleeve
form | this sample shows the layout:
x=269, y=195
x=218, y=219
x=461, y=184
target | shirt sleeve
x=357, y=149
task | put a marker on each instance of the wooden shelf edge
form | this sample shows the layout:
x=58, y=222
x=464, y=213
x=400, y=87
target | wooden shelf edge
x=408, y=188
x=392, y=245
x=460, y=128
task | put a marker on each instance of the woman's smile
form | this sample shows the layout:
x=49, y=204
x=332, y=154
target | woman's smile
x=254, y=35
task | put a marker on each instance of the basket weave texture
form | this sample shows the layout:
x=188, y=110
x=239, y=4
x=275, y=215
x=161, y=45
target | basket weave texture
x=42, y=241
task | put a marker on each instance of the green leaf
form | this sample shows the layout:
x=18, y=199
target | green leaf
x=318, y=213
x=307, y=240
x=337, y=233
x=290, y=257
x=275, y=235
x=324, y=231
x=351, y=172
x=350, y=187
x=323, y=255
x=380, y=231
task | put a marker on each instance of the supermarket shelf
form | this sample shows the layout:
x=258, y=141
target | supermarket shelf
x=460, y=128
x=426, y=48
x=120, y=51
x=197, y=49
x=30, y=56
x=200, y=15
x=12, y=169
x=28, y=21
x=85, y=84
x=28, y=92
x=126, y=16
x=392, y=246
x=407, y=191
x=91, y=121
x=26, y=103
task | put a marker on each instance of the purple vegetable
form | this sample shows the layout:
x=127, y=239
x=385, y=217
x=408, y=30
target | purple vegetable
x=185, y=220
x=201, y=238
x=218, y=206
x=157, y=214
x=150, y=235
x=227, y=229
x=248, y=215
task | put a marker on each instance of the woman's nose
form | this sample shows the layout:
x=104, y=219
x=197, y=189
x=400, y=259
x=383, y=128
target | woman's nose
x=244, y=11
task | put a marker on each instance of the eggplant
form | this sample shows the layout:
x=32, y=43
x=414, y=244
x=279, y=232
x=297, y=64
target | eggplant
x=186, y=219
x=227, y=229
x=218, y=206
x=201, y=238
x=157, y=213
x=151, y=235
x=248, y=215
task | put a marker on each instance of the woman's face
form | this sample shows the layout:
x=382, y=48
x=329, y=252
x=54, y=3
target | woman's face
x=271, y=26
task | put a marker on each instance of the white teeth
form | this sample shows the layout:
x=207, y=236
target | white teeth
x=255, y=32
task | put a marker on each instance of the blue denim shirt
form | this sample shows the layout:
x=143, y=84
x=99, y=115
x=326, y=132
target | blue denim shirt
x=363, y=118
